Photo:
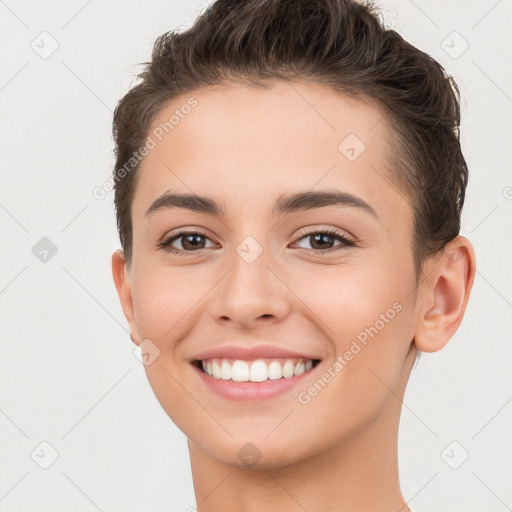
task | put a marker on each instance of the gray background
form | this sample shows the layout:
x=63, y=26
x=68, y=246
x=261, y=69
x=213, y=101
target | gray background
x=69, y=376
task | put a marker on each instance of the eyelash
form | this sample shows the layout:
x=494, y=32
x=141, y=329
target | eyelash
x=165, y=244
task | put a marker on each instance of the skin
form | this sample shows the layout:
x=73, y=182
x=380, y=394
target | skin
x=244, y=146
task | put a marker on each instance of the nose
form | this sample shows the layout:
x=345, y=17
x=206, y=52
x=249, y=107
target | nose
x=251, y=295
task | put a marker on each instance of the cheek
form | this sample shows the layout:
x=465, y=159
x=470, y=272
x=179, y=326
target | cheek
x=348, y=301
x=164, y=299
x=362, y=379
x=367, y=318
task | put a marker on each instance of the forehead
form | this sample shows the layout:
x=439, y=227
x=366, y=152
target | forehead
x=246, y=145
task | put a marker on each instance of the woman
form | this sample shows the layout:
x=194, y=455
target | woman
x=288, y=186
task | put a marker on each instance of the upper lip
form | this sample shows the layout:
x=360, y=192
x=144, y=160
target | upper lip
x=250, y=353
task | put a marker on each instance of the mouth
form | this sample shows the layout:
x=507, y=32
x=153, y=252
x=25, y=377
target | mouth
x=255, y=371
x=253, y=381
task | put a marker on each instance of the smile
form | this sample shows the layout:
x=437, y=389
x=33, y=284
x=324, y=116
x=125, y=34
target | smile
x=253, y=380
x=258, y=370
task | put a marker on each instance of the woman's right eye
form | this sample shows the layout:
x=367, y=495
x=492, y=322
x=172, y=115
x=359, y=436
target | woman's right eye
x=191, y=241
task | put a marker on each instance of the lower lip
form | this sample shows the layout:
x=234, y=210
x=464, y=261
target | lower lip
x=247, y=391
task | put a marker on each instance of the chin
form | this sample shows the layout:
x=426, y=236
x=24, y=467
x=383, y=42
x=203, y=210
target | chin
x=256, y=454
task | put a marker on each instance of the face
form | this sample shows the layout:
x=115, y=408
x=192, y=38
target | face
x=254, y=272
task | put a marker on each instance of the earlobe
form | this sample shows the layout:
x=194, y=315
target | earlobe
x=444, y=295
x=122, y=282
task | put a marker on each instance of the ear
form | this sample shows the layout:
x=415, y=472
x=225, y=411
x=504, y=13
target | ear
x=121, y=276
x=444, y=294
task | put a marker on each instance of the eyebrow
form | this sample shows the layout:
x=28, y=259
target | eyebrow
x=286, y=203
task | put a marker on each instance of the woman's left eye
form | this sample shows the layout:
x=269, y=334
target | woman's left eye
x=323, y=238
x=194, y=241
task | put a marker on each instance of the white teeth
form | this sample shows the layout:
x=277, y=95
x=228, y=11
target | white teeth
x=288, y=369
x=299, y=368
x=259, y=371
x=240, y=371
x=255, y=371
x=274, y=370
x=216, y=370
x=225, y=371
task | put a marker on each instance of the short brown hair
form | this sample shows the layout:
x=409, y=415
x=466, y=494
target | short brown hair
x=341, y=44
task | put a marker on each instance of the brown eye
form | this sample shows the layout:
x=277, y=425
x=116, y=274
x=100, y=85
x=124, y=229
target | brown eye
x=190, y=241
x=325, y=240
